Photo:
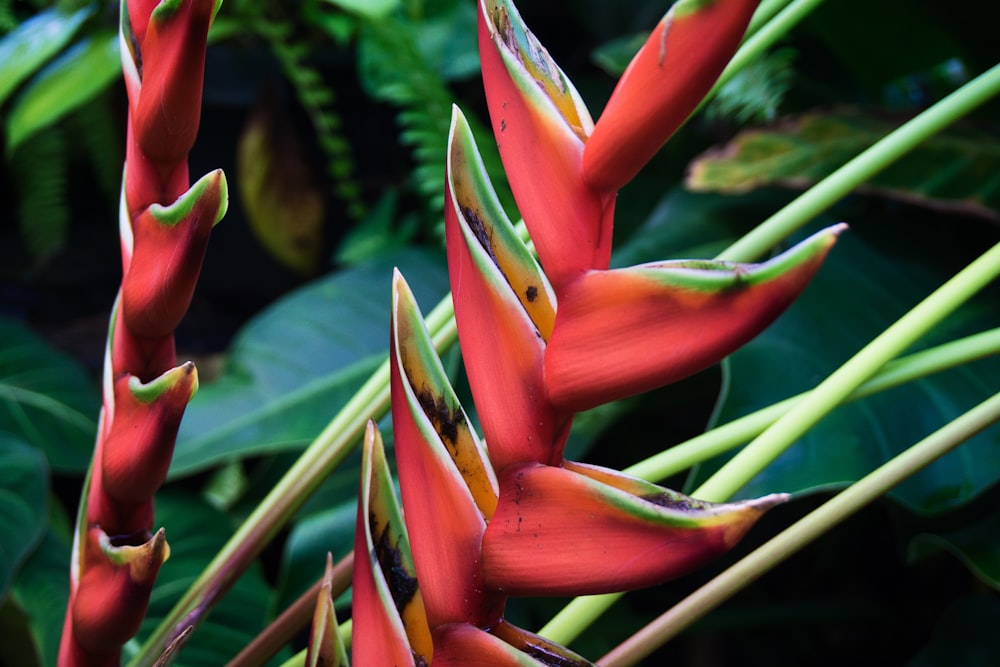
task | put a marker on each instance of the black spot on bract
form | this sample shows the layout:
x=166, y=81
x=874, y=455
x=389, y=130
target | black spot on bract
x=531, y=293
x=402, y=586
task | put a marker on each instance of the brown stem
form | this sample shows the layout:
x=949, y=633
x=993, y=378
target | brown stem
x=296, y=617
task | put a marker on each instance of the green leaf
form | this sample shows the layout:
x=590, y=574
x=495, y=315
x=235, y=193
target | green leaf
x=294, y=366
x=975, y=545
x=840, y=312
x=46, y=399
x=41, y=590
x=370, y=9
x=328, y=531
x=23, y=505
x=196, y=532
x=65, y=84
x=952, y=171
x=34, y=42
x=966, y=635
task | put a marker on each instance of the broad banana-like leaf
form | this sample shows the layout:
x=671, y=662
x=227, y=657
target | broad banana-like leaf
x=504, y=310
x=664, y=83
x=447, y=485
x=581, y=530
x=625, y=331
x=541, y=124
x=389, y=623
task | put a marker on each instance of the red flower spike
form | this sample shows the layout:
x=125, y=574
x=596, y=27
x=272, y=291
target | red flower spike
x=504, y=310
x=138, y=12
x=166, y=116
x=137, y=451
x=541, y=125
x=168, y=247
x=110, y=603
x=567, y=531
x=389, y=623
x=625, y=331
x=326, y=648
x=663, y=84
x=460, y=645
x=447, y=485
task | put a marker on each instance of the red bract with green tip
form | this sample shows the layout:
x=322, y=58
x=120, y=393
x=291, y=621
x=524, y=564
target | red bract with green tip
x=543, y=341
x=164, y=227
x=666, y=80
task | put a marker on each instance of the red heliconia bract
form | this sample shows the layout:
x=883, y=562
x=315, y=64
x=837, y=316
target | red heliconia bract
x=543, y=340
x=164, y=226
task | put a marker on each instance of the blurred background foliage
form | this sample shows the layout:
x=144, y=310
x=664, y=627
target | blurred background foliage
x=330, y=118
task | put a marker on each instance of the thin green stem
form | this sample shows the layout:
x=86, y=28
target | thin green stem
x=841, y=383
x=732, y=434
x=879, y=156
x=763, y=32
x=765, y=12
x=324, y=454
x=801, y=533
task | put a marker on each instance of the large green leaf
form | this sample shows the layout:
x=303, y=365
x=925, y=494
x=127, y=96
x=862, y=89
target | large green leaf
x=294, y=366
x=854, y=297
x=46, y=399
x=23, y=505
x=41, y=590
x=195, y=533
x=975, y=545
x=951, y=171
x=23, y=50
x=65, y=84
x=966, y=635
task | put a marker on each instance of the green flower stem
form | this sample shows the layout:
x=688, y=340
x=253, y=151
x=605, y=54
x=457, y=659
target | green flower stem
x=767, y=26
x=324, y=454
x=879, y=156
x=804, y=531
x=765, y=12
x=841, y=383
x=739, y=431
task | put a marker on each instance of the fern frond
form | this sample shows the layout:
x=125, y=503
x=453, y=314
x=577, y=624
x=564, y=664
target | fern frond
x=100, y=140
x=403, y=77
x=40, y=168
x=319, y=101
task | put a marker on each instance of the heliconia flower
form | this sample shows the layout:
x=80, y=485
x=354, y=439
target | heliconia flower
x=504, y=645
x=389, y=622
x=326, y=647
x=534, y=358
x=625, y=331
x=579, y=530
x=666, y=80
x=447, y=485
x=505, y=311
x=144, y=420
x=166, y=103
x=146, y=358
x=163, y=249
x=541, y=125
x=163, y=52
x=109, y=605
